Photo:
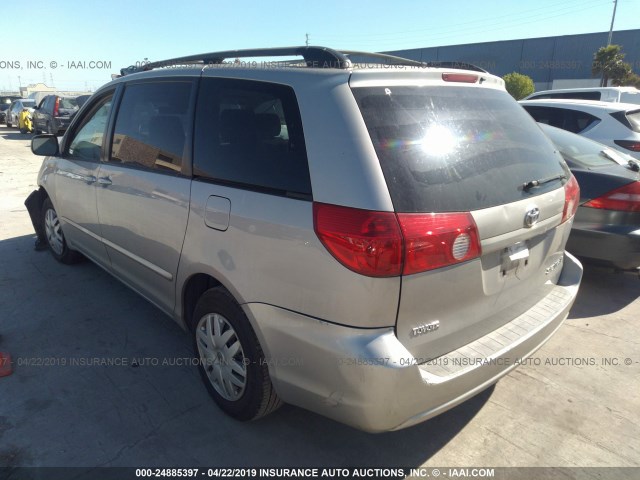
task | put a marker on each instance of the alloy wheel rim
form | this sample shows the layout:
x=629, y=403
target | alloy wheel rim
x=53, y=231
x=222, y=356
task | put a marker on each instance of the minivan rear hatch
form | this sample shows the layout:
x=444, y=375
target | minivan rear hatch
x=468, y=157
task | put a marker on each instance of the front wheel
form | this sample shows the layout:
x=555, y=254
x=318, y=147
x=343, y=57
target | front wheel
x=231, y=361
x=55, y=237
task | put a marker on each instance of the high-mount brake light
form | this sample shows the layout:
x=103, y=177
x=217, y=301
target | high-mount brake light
x=460, y=77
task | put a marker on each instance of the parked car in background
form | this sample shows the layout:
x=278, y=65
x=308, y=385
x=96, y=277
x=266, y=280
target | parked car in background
x=603, y=94
x=81, y=100
x=606, y=229
x=7, y=99
x=15, y=108
x=3, y=112
x=379, y=277
x=54, y=113
x=614, y=124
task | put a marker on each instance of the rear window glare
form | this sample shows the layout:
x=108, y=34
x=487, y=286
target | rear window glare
x=450, y=148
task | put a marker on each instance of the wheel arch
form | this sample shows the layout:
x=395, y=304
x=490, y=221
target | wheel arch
x=198, y=283
x=192, y=290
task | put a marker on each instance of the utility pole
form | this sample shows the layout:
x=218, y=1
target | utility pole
x=306, y=42
x=613, y=17
x=615, y=5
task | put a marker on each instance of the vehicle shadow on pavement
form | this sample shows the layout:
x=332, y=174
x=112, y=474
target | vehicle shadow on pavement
x=94, y=362
x=603, y=291
x=16, y=135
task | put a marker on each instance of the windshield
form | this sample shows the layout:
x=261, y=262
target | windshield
x=456, y=148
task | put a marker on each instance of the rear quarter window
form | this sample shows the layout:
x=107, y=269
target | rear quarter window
x=449, y=148
x=568, y=119
x=249, y=135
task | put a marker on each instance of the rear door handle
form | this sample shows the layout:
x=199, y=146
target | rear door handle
x=104, y=181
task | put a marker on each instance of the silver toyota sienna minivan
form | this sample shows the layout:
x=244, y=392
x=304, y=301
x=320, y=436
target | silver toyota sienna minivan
x=375, y=240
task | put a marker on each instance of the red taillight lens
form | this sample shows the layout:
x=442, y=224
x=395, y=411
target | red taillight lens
x=459, y=77
x=626, y=198
x=571, y=198
x=376, y=243
x=56, y=107
x=436, y=240
x=628, y=144
x=369, y=243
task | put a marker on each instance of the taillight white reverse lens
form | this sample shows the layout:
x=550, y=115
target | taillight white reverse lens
x=625, y=198
x=571, y=198
x=436, y=240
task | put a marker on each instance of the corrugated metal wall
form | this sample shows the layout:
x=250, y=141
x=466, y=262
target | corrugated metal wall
x=543, y=59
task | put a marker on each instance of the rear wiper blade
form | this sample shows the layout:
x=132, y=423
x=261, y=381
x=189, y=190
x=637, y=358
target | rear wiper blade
x=608, y=156
x=536, y=183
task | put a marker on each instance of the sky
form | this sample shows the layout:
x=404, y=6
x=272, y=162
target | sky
x=77, y=44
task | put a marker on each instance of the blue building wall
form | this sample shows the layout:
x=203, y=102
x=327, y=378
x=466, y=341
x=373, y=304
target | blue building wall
x=543, y=59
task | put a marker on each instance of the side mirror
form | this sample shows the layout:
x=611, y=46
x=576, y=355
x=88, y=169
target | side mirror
x=45, y=145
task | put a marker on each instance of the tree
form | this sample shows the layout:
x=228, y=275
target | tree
x=631, y=80
x=609, y=63
x=518, y=85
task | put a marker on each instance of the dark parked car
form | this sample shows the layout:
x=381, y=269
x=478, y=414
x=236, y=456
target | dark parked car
x=3, y=112
x=54, y=114
x=606, y=229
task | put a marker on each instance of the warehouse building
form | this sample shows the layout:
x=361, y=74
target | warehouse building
x=552, y=62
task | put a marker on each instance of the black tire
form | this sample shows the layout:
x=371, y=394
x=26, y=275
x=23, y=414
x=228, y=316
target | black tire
x=65, y=254
x=258, y=397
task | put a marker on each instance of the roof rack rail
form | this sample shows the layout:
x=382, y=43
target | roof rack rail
x=318, y=57
x=313, y=56
x=391, y=59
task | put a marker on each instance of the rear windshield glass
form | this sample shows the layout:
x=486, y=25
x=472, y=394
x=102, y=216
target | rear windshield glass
x=568, y=95
x=449, y=149
x=68, y=103
x=583, y=152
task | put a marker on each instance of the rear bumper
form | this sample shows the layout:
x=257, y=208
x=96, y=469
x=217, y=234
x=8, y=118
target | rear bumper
x=617, y=246
x=366, y=378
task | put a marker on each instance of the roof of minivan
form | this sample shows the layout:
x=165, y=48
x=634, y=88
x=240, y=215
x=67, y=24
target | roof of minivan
x=294, y=74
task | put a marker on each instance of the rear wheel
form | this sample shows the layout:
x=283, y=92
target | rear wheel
x=55, y=237
x=231, y=361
